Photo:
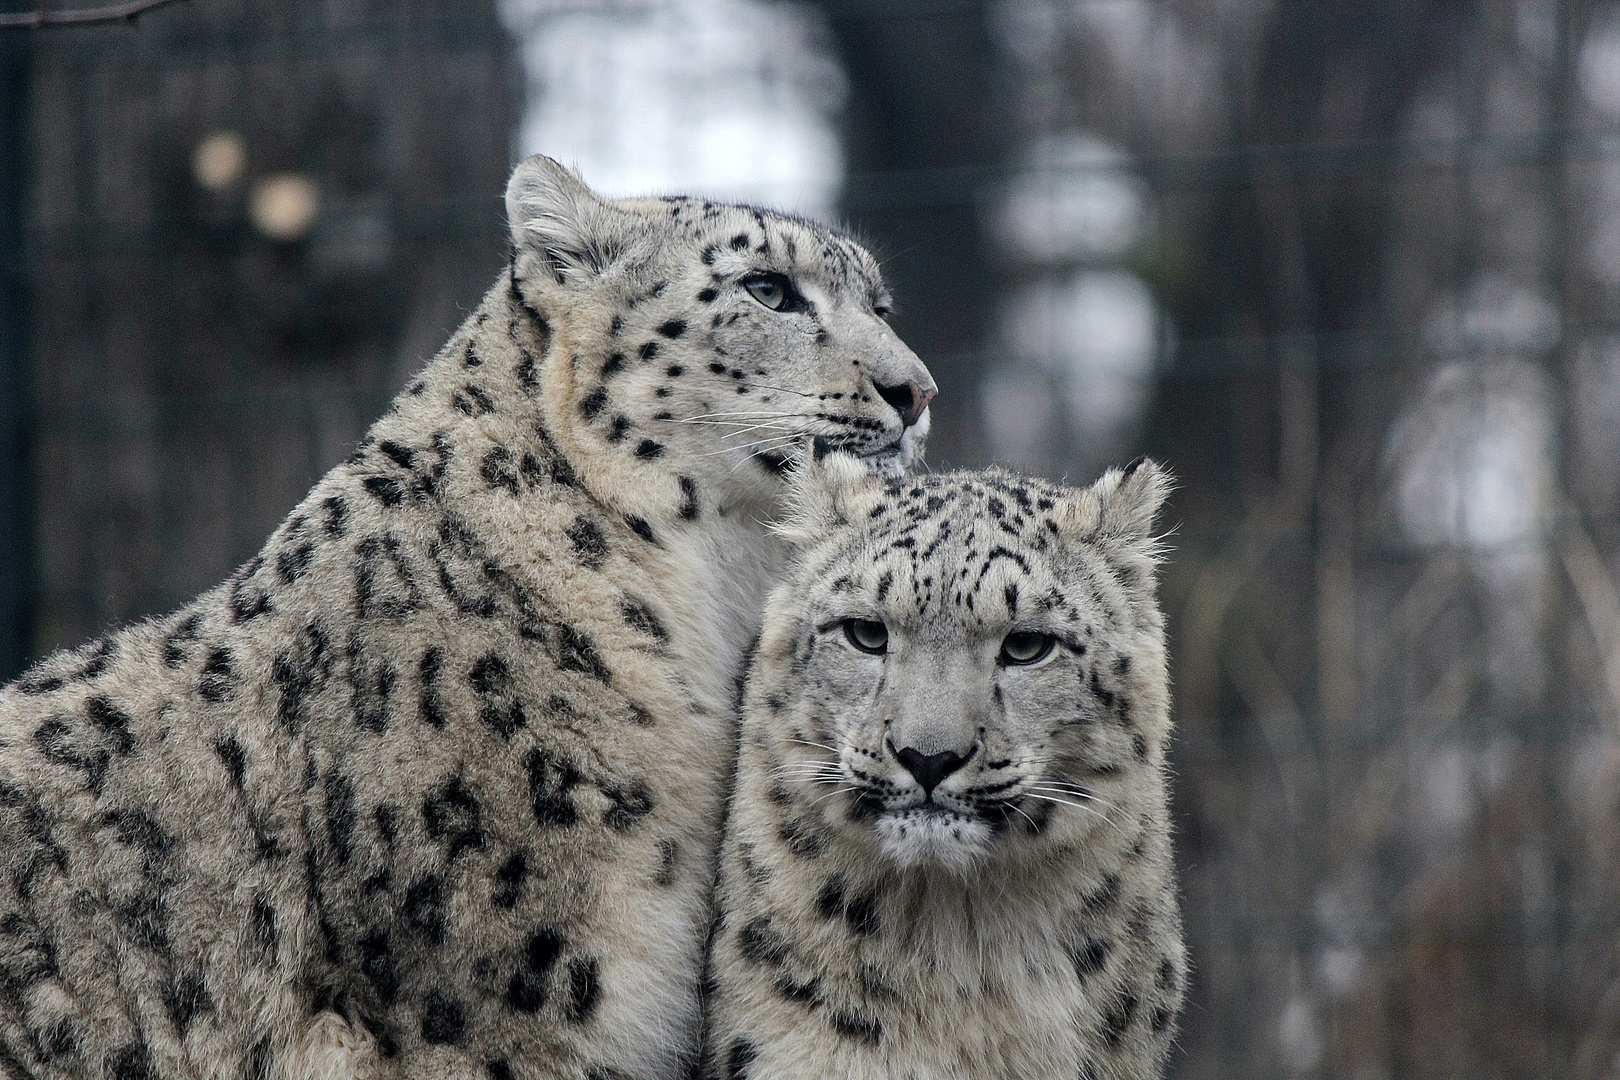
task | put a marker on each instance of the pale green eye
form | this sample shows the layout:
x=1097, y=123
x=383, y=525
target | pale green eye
x=1025, y=647
x=769, y=289
x=867, y=635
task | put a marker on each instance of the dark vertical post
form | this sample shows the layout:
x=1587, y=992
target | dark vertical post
x=16, y=577
x=920, y=137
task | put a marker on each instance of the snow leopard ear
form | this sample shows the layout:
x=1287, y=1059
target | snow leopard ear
x=1120, y=506
x=550, y=210
x=829, y=489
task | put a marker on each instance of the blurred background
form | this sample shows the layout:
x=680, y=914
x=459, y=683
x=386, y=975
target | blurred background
x=1351, y=267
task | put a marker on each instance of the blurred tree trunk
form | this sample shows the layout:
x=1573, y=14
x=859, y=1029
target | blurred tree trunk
x=920, y=135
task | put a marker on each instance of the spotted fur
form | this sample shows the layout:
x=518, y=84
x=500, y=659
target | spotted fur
x=431, y=786
x=1011, y=913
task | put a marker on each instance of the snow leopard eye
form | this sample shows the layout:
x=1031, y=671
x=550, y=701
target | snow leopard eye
x=867, y=635
x=775, y=291
x=1025, y=647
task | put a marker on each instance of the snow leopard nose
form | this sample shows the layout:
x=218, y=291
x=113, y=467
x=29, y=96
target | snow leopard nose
x=930, y=769
x=908, y=400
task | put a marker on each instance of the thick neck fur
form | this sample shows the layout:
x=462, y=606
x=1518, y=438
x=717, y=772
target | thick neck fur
x=509, y=386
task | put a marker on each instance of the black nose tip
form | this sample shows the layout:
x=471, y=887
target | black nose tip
x=929, y=769
x=908, y=400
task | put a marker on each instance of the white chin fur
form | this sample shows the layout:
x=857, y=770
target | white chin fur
x=901, y=457
x=917, y=837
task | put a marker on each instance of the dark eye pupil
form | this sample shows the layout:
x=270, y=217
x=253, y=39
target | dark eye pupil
x=868, y=635
x=1025, y=648
x=768, y=290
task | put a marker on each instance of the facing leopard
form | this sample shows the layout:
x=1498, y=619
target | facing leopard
x=948, y=852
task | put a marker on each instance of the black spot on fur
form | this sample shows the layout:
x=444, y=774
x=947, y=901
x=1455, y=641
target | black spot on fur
x=668, y=850
x=231, y=754
x=619, y=429
x=137, y=829
x=628, y=805
x=739, y=242
x=866, y=1029
x=184, y=1000
x=638, y=616
x=1117, y=1020
x=432, y=708
x=807, y=994
x=403, y=456
x=264, y=923
x=498, y=471
x=385, y=489
x=673, y=329
x=613, y=365
x=175, y=641
x=1105, y=895
x=861, y=913
x=144, y=919
x=129, y=1063
x=499, y=1069
x=472, y=400
x=551, y=783
x=377, y=965
x=577, y=652
x=218, y=680
x=509, y=881
x=246, y=601
x=760, y=943
x=830, y=901
x=444, y=1020
x=453, y=817
x=741, y=1055
x=292, y=561
x=584, y=989
x=591, y=406
x=526, y=373
x=424, y=909
x=800, y=839
x=648, y=351
x=340, y=815
x=689, y=499
x=1089, y=956
x=335, y=524
x=526, y=992
x=640, y=527
x=590, y=546
x=647, y=449
x=707, y=296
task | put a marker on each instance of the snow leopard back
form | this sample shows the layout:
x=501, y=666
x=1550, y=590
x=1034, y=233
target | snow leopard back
x=432, y=785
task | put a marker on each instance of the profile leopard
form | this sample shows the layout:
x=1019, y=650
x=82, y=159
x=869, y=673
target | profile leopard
x=948, y=853
x=432, y=786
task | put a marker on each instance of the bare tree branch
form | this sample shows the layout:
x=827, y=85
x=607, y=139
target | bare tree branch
x=39, y=20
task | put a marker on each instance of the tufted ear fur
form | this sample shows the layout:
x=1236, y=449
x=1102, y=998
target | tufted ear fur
x=549, y=209
x=829, y=489
x=1120, y=506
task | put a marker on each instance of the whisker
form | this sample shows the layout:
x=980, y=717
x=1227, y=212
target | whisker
x=781, y=389
x=817, y=745
x=834, y=791
x=1027, y=818
x=1078, y=806
x=775, y=425
x=753, y=447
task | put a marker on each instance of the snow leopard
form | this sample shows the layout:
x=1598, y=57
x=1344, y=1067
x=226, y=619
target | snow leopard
x=431, y=786
x=948, y=853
